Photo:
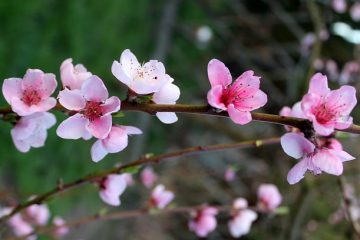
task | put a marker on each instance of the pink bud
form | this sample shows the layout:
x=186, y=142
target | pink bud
x=203, y=221
x=111, y=187
x=160, y=197
x=148, y=177
x=269, y=197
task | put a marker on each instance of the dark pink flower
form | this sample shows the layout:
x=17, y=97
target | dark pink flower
x=30, y=94
x=238, y=98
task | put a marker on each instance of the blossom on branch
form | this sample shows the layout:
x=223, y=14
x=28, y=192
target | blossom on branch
x=269, y=197
x=148, y=177
x=60, y=227
x=37, y=214
x=241, y=219
x=92, y=107
x=116, y=141
x=160, y=197
x=31, y=131
x=326, y=109
x=111, y=187
x=315, y=159
x=72, y=77
x=203, y=221
x=141, y=78
x=238, y=98
x=30, y=94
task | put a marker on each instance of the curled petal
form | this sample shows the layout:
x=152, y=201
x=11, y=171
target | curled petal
x=214, y=97
x=98, y=152
x=167, y=117
x=295, y=145
x=218, y=73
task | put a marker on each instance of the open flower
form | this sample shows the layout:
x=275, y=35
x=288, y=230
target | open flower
x=93, y=110
x=31, y=131
x=60, y=227
x=37, y=214
x=203, y=221
x=167, y=94
x=148, y=177
x=142, y=79
x=238, y=98
x=30, y=94
x=242, y=218
x=111, y=187
x=116, y=141
x=160, y=197
x=269, y=197
x=316, y=160
x=328, y=110
x=20, y=227
x=72, y=77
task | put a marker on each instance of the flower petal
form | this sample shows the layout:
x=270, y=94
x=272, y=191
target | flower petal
x=167, y=117
x=130, y=130
x=100, y=127
x=328, y=162
x=33, y=79
x=255, y=101
x=297, y=172
x=218, y=73
x=116, y=141
x=342, y=100
x=323, y=129
x=48, y=85
x=93, y=89
x=73, y=127
x=168, y=94
x=129, y=63
x=214, y=97
x=319, y=85
x=295, y=145
x=98, y=152
x=237, y=116
x=12, y=88
x=118, y=72
x=72, y=100
x=111, y=105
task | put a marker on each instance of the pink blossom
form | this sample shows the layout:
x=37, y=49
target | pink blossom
x=350, y=72
x=116, y=141
x=203, y=221
x=142, y=79
x=160, y=197
x=30, y=94
x=355, y=12
x=60, y=227
x=93, y=110
x=37, y=214
x=238, y=98
x=339, y=6
x=242, y=218
x=20, y=227
x=328, y=110
x=111, y=187
x=229, y=174
x=167, y=94
x=72, y=77
x=148, y=177
x=31, y=131
x=316, y=160
x=269, y=197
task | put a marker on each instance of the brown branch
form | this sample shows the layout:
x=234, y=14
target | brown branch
x=143, y=160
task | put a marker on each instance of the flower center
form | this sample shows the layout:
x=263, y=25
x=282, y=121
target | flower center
x=323, y=115
x=92, y=111
x=30, y=97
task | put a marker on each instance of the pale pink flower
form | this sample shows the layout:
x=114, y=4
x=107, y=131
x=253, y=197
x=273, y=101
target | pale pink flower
x=269, y=197
x=350, y=72
x=148, y=177
x=229, y=174
x=30, y=94
x=20, y=227
x=37, y=214
x=339, y=6
x=31, y=131
x=116, y=141
x=326, y=109
x=93, y=109
x=72, y=77
x=142, y=79
x=167, y=94
x=242, y=218
x=111, y=187
x=355, y=12
x=160, y=197
x=316, y=160
x=203, y=221
x=60, y=227
x=238, y=98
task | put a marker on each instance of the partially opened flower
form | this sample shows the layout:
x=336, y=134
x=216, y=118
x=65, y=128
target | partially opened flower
x=167, y=94
x=148, y=177
x=116, y=141
x=60, y=227
x=160, y=197
x=238, y=98
x=30, y=94
x=269, y=197
x=203, y=221
x=241, y=219
x=72, y=77
x=37, y=214
x=111, y=187
x=20, y=227
x=31, y=131
x=316, y=160
x=326, y=109
x=142, y=79
x=93, y=110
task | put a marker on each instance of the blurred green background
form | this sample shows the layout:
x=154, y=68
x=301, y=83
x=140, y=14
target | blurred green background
x=261, y=35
